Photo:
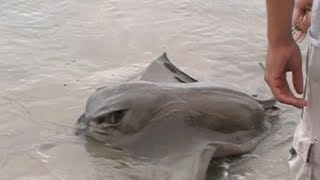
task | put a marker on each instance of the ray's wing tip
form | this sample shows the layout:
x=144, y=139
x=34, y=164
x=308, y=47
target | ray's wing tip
x=163, y=57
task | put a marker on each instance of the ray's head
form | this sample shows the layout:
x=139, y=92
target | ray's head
x=108, y=110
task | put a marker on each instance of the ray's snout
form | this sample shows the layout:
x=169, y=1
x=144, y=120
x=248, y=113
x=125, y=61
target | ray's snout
x=102, y=124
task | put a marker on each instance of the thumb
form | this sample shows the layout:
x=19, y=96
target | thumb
x=297, y=79
x=297, y=16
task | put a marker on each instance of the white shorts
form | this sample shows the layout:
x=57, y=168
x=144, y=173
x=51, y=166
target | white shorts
x=304, y=162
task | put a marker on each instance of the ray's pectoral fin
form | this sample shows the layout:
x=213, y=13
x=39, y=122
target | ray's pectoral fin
x=195, y=164
x=162, y=70
x=191, y=166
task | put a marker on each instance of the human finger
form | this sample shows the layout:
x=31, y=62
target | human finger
x=305, y=22
x=292, y=100
x=297, y=16
x=297, y=80
x=280, y=89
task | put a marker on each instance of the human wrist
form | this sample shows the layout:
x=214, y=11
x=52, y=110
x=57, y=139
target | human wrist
x=279, y=15
x=280, y=41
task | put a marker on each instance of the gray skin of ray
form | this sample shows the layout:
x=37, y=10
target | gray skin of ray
x=174, y=121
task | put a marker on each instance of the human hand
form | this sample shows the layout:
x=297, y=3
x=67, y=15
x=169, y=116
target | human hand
x=283, y=58
x=301, y=19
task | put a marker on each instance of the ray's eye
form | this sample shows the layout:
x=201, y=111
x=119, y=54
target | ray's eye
x=112, y=118
x=117, y=116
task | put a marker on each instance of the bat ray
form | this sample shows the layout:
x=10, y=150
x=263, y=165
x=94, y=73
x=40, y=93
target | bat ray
x=174, y=121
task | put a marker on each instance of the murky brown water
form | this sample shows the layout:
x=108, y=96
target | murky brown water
x=55, y=53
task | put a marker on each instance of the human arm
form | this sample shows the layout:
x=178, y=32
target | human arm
x=283, y=54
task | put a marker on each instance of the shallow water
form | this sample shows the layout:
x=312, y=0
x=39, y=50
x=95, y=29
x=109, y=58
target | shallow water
x=55, y=53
